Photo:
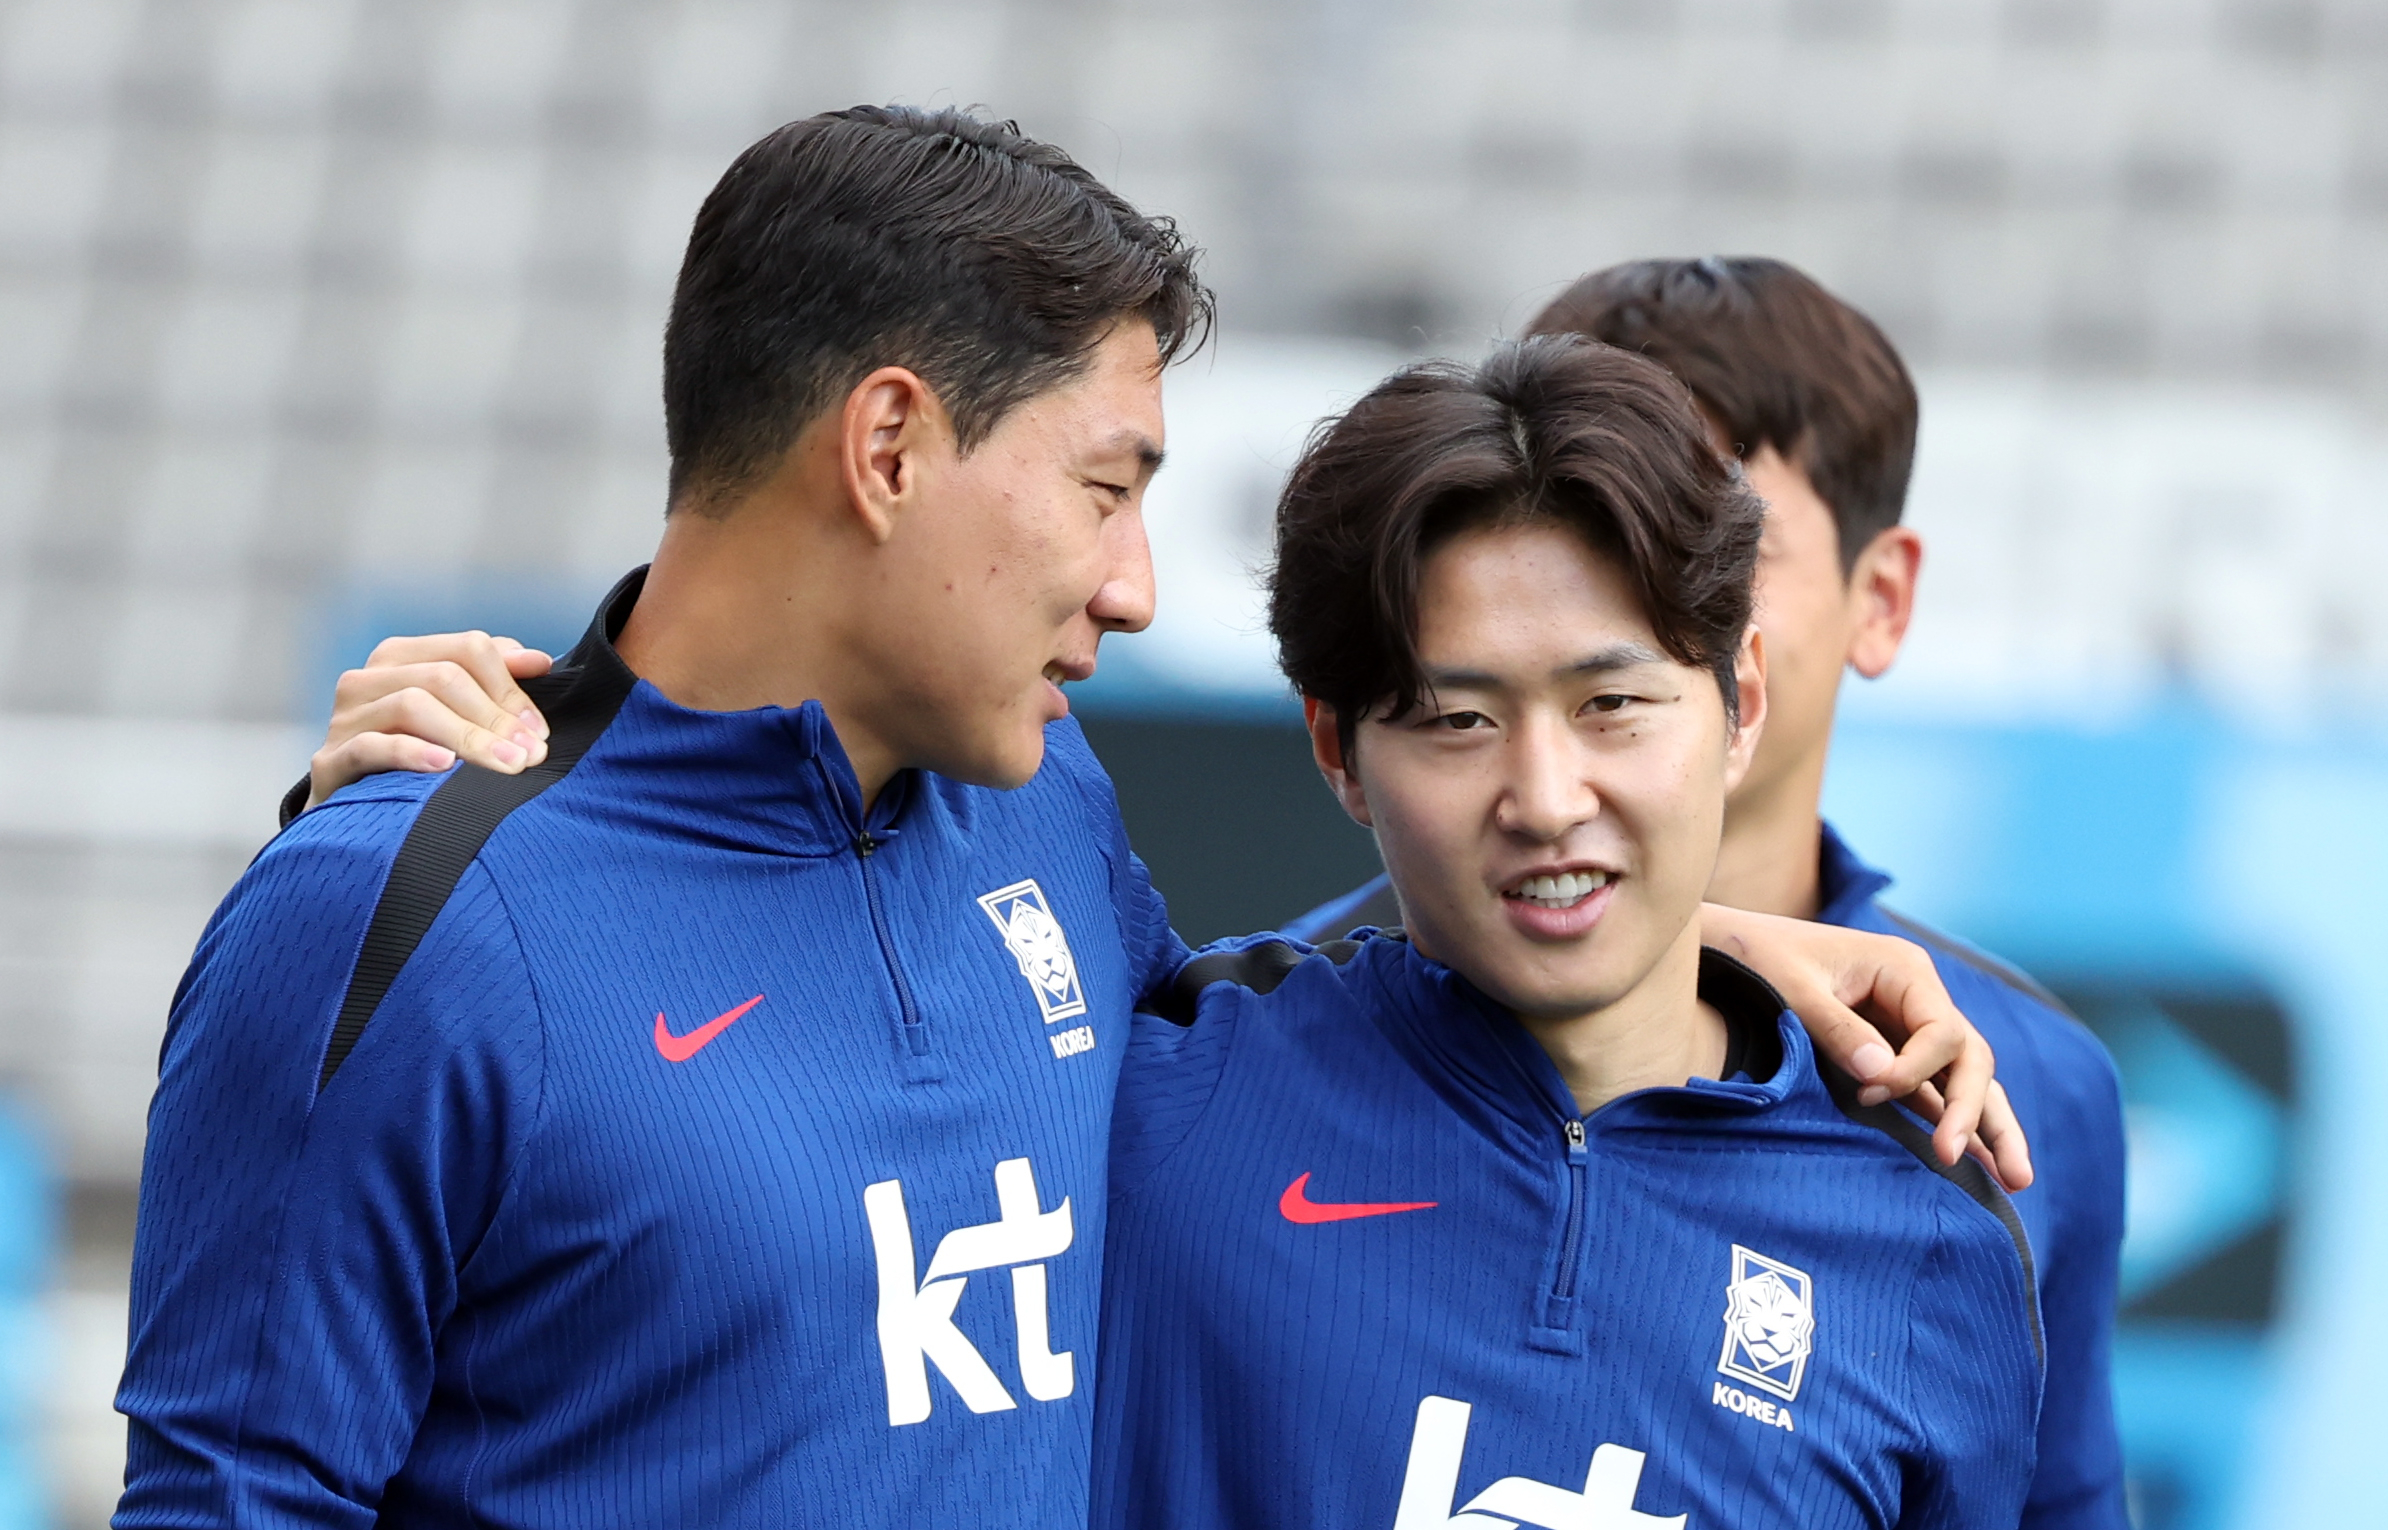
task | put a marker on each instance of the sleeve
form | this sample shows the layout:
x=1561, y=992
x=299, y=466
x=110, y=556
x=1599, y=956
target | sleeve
x=2079, y=1482
x=1155, y=953
x=1973, y=1381
x=1166, y=1081
x=1154, y=950
x=296, y=1255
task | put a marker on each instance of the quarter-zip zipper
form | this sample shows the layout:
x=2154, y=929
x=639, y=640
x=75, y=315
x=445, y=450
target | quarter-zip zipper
x=916, y=1035
x=1559, y=1325
x=1571, y=1242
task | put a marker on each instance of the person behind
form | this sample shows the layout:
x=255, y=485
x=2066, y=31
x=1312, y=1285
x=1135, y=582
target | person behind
x=708, y=1124
x=1535, y=1212
x=1814, y=401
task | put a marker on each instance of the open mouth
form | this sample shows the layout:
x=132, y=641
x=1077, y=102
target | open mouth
x=1559, y=890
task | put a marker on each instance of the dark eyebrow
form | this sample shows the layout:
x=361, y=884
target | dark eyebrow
x=1614, y=657
x=1147, y=452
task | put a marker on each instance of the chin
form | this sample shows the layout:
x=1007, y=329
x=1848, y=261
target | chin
x=1541, y=994
x=1006, y=765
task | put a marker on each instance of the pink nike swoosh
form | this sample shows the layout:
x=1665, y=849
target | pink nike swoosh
x=681, y=1048
x=1297, y=1206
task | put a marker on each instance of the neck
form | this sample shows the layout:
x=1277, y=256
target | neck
x=1773, y=838
x=1658, y=1035
x=743, y=610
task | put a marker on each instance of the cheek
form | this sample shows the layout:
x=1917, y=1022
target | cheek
x=1669, y=792
x=1424, y=820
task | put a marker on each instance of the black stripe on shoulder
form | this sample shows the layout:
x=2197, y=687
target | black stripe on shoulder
x=294, y=802
x=1260, y=968
x=579, y=698
x=1980, y=961
x=1965, y=1174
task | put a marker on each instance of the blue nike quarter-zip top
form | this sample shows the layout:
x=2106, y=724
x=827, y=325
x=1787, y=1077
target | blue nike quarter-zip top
x=652, y=1139
x=2065, y=1092
x=1368, y=1268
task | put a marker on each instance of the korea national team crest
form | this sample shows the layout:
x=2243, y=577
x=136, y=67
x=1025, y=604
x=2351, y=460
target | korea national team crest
x=1035, y=939
x=1770, y=1317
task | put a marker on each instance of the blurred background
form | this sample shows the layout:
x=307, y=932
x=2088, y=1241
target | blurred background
x=321, y=319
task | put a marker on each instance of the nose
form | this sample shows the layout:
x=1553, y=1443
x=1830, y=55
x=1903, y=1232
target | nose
x=1124, y=602
x=1549, y=791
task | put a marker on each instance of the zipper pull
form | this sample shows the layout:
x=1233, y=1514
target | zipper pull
x=864, y=845
x=1575, y=1140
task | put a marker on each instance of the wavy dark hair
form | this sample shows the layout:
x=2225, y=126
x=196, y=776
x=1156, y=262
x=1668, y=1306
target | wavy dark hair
x=1553, y=430
x=989, y=263
x=1776, y=361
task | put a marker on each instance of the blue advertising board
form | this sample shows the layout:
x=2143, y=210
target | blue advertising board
x=2206, y=893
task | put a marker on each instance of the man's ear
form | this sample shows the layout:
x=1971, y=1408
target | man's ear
x=1749, y=684
x=889, y=421
x=1326, y=747
x=1882, y=582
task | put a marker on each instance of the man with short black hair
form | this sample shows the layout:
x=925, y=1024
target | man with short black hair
x=1813, y=399
x=1535, y=1212
x=634, y=1139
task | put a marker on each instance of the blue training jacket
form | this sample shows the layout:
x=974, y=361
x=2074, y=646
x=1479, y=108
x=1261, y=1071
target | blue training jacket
x=1368, y=1269
x=2062, y=1085
x=717, y=1159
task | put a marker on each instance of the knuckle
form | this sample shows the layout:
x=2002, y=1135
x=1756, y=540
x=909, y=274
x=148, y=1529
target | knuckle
x=414, y=706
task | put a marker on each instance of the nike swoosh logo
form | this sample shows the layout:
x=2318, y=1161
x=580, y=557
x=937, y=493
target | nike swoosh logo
x=1297, y=1206
x=681, y=1048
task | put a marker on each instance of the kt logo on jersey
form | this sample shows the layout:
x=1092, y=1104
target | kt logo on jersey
x=1770, y=1317
x=1034, y=937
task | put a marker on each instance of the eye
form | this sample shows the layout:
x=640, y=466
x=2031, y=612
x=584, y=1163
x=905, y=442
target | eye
x=1609, y=703
x=1118, y=491
x=1463, y=722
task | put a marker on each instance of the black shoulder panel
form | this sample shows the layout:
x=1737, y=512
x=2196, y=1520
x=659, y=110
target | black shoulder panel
x=1965, y=1174
x=579, y=699
x=1980, y=961
x=1260, y=968
x=294, y=802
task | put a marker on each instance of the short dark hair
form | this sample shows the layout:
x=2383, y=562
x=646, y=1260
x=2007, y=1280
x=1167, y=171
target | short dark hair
x=1554, y=430
x=985, y=261
x=1776, y=361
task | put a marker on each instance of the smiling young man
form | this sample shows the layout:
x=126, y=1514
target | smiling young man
x=1538, y=1214
x=1813, y=399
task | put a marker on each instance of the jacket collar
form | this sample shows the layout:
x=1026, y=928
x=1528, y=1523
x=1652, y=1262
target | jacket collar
x=1492, y=1070
x=774, y=779
x=1844, y=884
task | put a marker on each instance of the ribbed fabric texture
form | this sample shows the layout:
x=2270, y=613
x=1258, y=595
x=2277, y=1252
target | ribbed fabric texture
x=1262, y=1371
x=515, y=1266
x=2064, y=1090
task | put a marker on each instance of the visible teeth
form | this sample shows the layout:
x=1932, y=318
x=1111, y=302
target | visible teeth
x=1564, y=890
